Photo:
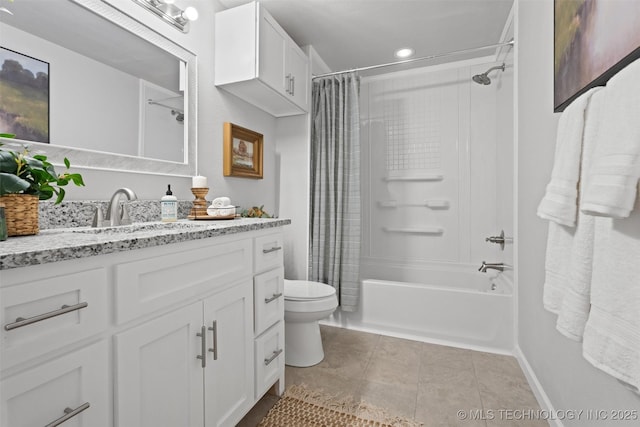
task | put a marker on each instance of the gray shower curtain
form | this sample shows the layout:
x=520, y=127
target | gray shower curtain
x=335, y=186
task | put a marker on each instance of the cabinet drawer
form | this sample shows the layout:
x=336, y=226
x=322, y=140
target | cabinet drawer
x=268, y=252
x=47, y=325
x=147, y=285
x=41, y=395
x=269, y=349
x=268, y=291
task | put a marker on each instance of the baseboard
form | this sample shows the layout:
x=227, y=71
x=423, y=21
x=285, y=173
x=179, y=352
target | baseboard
x=536, y=387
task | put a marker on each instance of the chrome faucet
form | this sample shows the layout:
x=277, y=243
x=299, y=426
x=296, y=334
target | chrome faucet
x=114, y=217
x=494, y=266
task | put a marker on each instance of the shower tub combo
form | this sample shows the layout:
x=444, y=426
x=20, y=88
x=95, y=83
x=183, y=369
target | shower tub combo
x=460, y=308
x=435, y=175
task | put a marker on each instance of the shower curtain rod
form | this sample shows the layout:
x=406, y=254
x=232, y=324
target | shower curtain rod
x=424, y=58
x=152, y=102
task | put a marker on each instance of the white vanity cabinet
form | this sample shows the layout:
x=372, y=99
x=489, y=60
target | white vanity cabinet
x=256, y=60
x=159, y=336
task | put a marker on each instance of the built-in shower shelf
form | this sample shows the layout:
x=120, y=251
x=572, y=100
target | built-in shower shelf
x=417, y=230
x=430, y=177
x=431, y=204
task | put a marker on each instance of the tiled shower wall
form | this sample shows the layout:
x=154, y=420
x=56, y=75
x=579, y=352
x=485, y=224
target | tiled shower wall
x=429, y=168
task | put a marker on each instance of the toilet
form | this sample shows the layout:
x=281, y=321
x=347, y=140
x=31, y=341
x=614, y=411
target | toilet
x=305, y=303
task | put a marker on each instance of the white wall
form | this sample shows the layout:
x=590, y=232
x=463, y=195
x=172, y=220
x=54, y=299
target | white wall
x=293, y=147
x=568, y=380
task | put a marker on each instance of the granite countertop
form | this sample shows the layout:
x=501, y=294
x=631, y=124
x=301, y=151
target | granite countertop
x=61, y=244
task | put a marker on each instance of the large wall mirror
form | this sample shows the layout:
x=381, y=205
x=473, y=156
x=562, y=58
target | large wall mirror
x=120, y=96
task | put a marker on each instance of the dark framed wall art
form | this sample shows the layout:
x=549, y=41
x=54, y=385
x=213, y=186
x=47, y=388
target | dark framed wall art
x=593, y=40
x=24, y=96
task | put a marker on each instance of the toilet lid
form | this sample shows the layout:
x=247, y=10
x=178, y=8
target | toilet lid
x=306, y=290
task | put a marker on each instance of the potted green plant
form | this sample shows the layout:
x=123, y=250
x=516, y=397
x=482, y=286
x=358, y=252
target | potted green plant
x=25, y=179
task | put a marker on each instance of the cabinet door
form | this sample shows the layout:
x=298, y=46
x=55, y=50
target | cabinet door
x=269, y=361
x=72, y=307
x=159, y=377
x=75, y=385
x=229, y=372
x=271, y=53
x=267, y=252
x=298, y=69
x=268, y=291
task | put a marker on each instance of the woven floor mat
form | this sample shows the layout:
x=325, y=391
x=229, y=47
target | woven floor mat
x=301, y=406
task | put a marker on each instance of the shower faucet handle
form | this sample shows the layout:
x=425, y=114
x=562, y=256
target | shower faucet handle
x=501, y=240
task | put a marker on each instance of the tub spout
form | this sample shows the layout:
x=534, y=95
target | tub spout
x=494, y=266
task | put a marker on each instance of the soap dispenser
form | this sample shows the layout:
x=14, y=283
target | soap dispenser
x=169, y=206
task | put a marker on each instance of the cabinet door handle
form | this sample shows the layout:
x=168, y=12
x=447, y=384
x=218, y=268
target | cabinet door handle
x=273, y=298
x=214, y=350
x=68, y=414
x=293, y=85
x=21, y=321
x=273, y=357
x=274, y=249
x=203, y=342
x=288, y=84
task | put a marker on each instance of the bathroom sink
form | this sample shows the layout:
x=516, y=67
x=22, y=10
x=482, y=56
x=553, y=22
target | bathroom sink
x=140, y=226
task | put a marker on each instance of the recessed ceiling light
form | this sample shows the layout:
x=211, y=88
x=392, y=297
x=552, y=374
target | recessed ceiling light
x=405, y=52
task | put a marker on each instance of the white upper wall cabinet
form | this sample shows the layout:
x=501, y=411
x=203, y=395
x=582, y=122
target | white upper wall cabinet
x=257, y=61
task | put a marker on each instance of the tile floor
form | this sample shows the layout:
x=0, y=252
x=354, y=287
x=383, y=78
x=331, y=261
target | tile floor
x=427, y=382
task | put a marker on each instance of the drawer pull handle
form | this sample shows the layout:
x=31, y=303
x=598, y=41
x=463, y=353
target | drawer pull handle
x=273, y=298
x=273, y=357
x=214, y=329
x=203, y=342
x=68, y=414
x=21, y=321
x=268, y=251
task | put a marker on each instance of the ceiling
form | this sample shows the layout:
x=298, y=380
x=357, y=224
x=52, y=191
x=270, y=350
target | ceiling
x=357, y=33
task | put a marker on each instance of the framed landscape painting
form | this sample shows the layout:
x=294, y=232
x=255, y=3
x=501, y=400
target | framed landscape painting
x=242, y=152
x=593, y=40
x=24, y=96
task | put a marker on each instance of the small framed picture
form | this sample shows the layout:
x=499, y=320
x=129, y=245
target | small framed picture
x=24, y=96
x=242, y=155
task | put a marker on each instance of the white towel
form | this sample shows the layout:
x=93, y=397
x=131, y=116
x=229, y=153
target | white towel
x=613, y=178
x=564, y=258
x=220, y=202
x=556, y=266
x=612, y=334
x=574, y=311
x=221, y=211
x=560, y=202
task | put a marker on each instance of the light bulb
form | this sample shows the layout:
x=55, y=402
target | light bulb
x=404, y=52
x=190, y=13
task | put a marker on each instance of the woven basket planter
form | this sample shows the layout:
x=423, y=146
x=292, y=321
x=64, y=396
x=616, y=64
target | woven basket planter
x=21, y=212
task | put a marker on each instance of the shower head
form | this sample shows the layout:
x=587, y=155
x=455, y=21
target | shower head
x=179, y=115
x=483, y=79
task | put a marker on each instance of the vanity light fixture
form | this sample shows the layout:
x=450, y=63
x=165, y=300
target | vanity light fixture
x=405, y=52
x=169, y=12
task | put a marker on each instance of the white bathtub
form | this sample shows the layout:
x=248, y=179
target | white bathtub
x=464, y=309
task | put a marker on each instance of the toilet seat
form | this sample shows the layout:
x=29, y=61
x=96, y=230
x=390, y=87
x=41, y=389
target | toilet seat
x=305, y=290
